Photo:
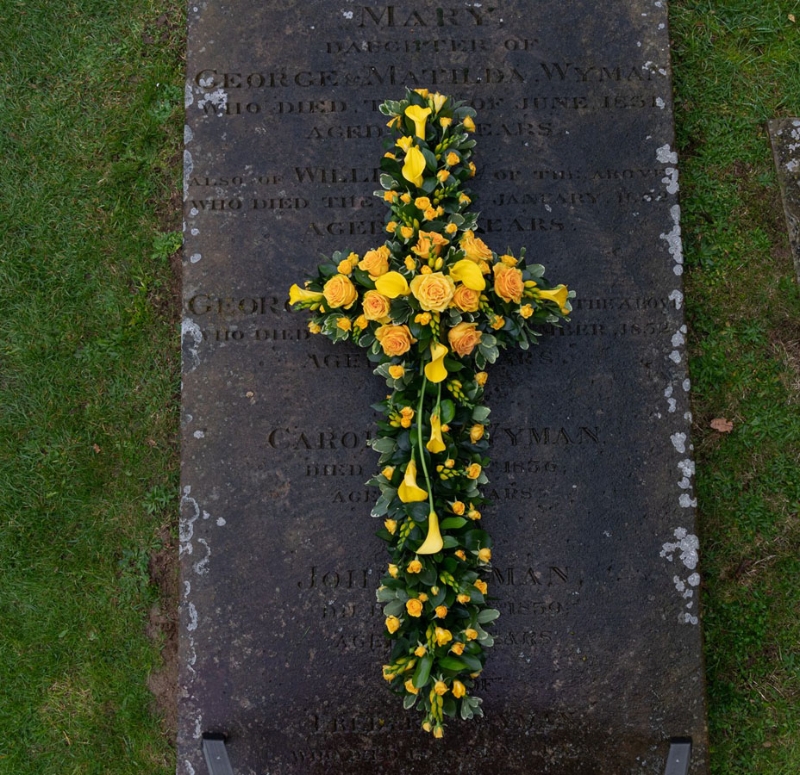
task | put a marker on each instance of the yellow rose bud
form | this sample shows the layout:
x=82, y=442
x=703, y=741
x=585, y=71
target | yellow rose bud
x=440, y=687
x=461, y=554
x=390, y=525
x=396, y=371
x=426, y=725
x=388, y=471
x=463, y=599
x=457, y=507
x=344, y=323
x=476, y=433
x=526, y=311
x=414, y=607
x=445, y=122
x=451, y=228
x=474, y=514
x=472, y=169
x=430, y=214
x=423, y=597
x=426, y=270
x=473, y=470
x=406, y=232
x=314, y=328
x=481, y=586
x=441, y=611
x=389, y=154
x=481, y=378
x=442, y=636
x=469, y=124
x=410, y=688
x=457, y=649
x=459, y=690
x=392, y=624
x=420, y=651
x=387, y=672
x=390, y=196
x=443, y=175
x=361, y=322
x=485, y=555
x=410, y=263
x=415, y=566
x=391, y=227
x=422, y=203
x=449, y=463
x=393, y=571
x=438, y=731
x=470, y=634
x=344, y=267
x=463, y=199
x=498, y=322
x=452, y=158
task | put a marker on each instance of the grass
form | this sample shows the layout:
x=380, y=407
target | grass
x=92, y=118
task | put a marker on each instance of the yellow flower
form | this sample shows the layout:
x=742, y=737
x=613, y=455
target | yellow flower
x=420, y=651
x=423, y=318
x=426, y=725
x=451, y=228
x=469, y=124
x=298, y=295
x=344, y=267
x=388, y=675
x=414, y=166
x=442, y=636
x=410, y=263
x=314, y=328
x=423, y=597
x=436, y=372
x=433, y=291
x=410, y=688
x=441, y=611
x=389, y=154
x=452, y=158
x=443, y=175
x=408, y=492
x=430, y=244
x=466, y=299
x=344, y=323
x=433, y=542
x=438, y=731
x=468, y=272
x=457, y=507
x=459, y=690
x=392, y=285
x=339, y=291
x=407, y=414
x=470, y=634
x=361, y=322
x=422, y=92
x=375, y=262
x=440, y=687
x=406, y=232
x=436, y=444
x=396, y=371
x=509, y=260
x=463, y=199
x=475, y=249
x=485, y=555
x=559, y=295
x=508, y=283
x=463, y=599
x=473, y=470
x=390, y=525
x=474, y=514
x=392, y=624
x=405, y=198
x=422, y=203
x=438, y=101
x=430, y=214
x=424, y=270
x=463, y=338
x=393, y=570
x=414, y=608
x=481, y=586
x=472, y=169
x=394, y=340
x=445, y=122
x=420, y=117
x=457, y=649
x=415, y=566
x=388, y=472
x=498, y=322
x=526, y=311
x=481, y=378
x=476, y=432
x=405, y=142
x=391, y=227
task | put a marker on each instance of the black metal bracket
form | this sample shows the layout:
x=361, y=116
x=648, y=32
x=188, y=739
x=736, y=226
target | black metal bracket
x=216, y=754
x=680, y=754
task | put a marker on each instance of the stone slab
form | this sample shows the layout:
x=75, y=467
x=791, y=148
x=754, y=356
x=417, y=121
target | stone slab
x=598, y=657
x=784, y=133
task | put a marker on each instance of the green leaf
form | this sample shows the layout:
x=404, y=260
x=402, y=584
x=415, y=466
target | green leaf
x=450, y=542
x=479, y=414
x=423, y=671
x=452, y=663
x=409, y=700
x=488, y=615
x=452, y=523
x=448, y=410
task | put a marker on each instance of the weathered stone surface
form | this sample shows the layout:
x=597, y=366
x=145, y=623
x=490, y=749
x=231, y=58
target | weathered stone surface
x=785, y=136
x=598, y=661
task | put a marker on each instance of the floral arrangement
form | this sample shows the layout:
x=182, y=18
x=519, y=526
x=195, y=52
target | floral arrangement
x=433, y=306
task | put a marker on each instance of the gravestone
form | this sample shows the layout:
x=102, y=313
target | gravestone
x=784, y=134
x=597, y=663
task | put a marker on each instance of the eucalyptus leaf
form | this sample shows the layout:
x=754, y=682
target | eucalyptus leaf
x=488, y=615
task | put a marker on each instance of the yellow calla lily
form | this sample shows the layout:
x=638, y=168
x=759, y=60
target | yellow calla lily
x=435, y=371
x=408, y=492
x=469, y=273
x=436, y=443
x=433, y=541
x=392, y=285
x=419, y=116
x=559, y=295
x=298, y=295
x=414, y=166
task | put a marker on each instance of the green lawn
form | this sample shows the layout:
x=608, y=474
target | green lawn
x=91, y=97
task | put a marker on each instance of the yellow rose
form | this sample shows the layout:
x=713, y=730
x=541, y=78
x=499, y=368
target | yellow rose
x=457, y=649
x=345, y=267
x=470, y=634
x=508, y=282
x=422, y=203
x=443, y=175
x=344, y=323
x=415, y=566
x=410, y=688
x=485, y=555
x=526, y=311
x=462, y=555
x=430, y=244
x=423, y=597
x=392, y=624
x=451, y=228
x=457, y=507
x=414, y=607
x=375, y=262
x=420, y=651
x=452, y=158
x=469, y=124
x=481, y=586
x=440, y=688
x=423, y=318
x=464, y=338
x=361, y=322
x=391, y=227
x=393, y=570
x=441, y=611
x=442, y=636
x=463, y=199
x=390, y=196
x=339, y=291
x=314, y=328
x=375, y=305
x=475, y=249
x=474, y=514
x=445, y=122
x=481, y=378
x=430, y=214
x=498, y=322
x=433, y=291
x=459, y=690
x=406, y=232
x=463, y=599
x=509, y=260
x=390, y=525
x=395, y=340
x=476, y=433
x=396, y=371
x=473, y=470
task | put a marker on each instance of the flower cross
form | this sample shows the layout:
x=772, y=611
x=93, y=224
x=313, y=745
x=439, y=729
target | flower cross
x=433, y=306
